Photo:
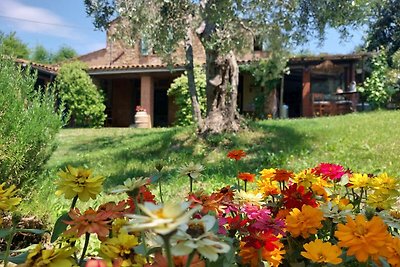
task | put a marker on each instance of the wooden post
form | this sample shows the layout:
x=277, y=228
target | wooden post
x=306, y=94
x=147, y=96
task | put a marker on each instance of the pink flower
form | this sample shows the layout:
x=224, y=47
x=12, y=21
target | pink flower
x=329, y=170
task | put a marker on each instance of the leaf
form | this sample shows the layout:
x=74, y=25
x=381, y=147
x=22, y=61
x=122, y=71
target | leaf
x=32, y=231
x=60, y=226
x=21, y=258
x=5, y=232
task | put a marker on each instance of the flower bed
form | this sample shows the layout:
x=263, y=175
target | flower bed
x=326, y=215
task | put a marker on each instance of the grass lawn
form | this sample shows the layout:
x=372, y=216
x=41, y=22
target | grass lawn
x=364, y=142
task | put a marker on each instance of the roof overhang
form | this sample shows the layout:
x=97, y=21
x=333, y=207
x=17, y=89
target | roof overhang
x=116, y=71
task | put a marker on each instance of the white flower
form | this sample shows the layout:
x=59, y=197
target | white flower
x=242, y=197
x=193, y=170
x=130, y=184
x=162, y=219
x=196, y=235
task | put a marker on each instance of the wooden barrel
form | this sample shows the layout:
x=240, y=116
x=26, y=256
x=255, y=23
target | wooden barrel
x=141, y=119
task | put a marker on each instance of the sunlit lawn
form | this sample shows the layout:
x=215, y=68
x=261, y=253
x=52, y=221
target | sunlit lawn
x=365, y=142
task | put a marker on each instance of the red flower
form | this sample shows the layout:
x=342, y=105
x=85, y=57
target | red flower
x=245, y=176
x=89, y=222
x=236, y=154
x=144, y=196
x=329, y=170
x=282, y=175
x=296, y=197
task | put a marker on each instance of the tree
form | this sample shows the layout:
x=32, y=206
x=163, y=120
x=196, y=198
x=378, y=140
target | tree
x=384, y=28
x=81, y=98
x=41, y=55
x=12, y=46
x=64, y=53
x=221, y=26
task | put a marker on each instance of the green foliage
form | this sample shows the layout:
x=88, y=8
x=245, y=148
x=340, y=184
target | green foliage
x=64, y=53
x=28, y=125
x=41, y=55
x=82, y=99
x=180, y=90
x=10, y=45
x=378, y=89
x=384, y=28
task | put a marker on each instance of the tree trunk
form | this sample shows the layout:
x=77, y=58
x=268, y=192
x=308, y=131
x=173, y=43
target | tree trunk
x=222, y=90
x=189, y=67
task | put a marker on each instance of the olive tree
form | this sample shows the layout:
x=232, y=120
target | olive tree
x=224, y=28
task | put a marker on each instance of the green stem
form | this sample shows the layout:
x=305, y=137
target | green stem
x=9, y=241
x=167, y=246
x=159, y=186
x=245, y=186
x=190, y=258
x=85, y=246
x=74, y=200
x=238, y=184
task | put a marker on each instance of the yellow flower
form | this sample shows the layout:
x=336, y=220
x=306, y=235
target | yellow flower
x=386, y=184
x=342, y=203
x=358, y=180
x=79, y=182
x=40, y=257
x=251, y=256
x=120, y=249
x=162, y=219
x=363, y=238
x=304, y=222
x=322, y=252
x=7, y=199
x=306, y=178
x=266, y=185
x=381, y=201
x=242, y=197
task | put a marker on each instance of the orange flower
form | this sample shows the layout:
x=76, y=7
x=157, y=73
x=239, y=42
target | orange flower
x=246, y=176
x=236, y=154
x=251, y=256
x=115, y=210
x=282, y=175
x=363, y=238
x=89, y=222
x=305, y=222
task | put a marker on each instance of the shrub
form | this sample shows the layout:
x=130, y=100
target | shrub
x=80, y=96
x=180, y=90
x=379, y=88
x=28, y=125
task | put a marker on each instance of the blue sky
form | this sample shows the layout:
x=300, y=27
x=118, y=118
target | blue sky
x=54, y=23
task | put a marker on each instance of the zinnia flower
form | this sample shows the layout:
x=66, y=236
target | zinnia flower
x=358, y=180
x=322, y=252
x=329, y=170
x=96, y=263
x=236, y=154
x=130, y=185
x=282, y=175
x=246, y=176
x=251, y=256
x=304, y=222
x=363, y=238
x=296, y=196
x=53, y=257
x=7, y=197
x=89, y=222
x=119, y=250
x=242, y=197
x=192, y=170
x=196, y=235
x=79, y=182
x=162, y=219
x=393, y=257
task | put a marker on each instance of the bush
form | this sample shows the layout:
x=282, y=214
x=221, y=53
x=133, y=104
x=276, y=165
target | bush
x=180, y=90
x=80, y=96
x=28, y=125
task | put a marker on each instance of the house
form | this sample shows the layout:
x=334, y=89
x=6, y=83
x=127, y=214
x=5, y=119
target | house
x=133, y=76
